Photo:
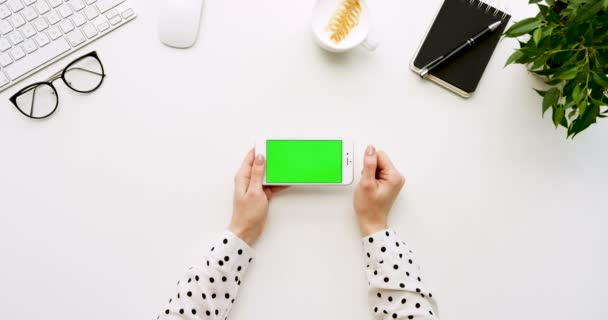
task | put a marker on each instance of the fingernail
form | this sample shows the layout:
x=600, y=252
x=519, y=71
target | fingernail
x=370, y=151
x=259, y=159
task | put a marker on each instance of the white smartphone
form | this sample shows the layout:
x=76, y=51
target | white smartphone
x=307, y=161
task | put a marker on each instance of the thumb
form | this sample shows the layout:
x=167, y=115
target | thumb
x=257, y=173
x=370, y=163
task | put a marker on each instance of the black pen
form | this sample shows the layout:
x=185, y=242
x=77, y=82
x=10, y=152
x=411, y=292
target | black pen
x=470, y=42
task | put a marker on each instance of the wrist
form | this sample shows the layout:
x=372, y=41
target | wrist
x=248, y=235
x=368, y=228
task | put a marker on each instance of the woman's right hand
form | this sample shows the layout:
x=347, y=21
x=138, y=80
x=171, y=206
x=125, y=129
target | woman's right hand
x=379, y=187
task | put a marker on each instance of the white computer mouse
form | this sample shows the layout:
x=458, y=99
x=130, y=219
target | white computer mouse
x=179, y=22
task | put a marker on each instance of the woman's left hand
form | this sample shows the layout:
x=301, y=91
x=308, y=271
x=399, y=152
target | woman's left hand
x=251, y=199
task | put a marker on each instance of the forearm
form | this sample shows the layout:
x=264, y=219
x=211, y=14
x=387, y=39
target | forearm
x=396, y=286
x=211, y=288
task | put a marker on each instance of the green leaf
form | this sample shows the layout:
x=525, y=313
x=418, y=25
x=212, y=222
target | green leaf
x=554, y=82
x=582, y=106
x=540, y=61
x=568, y=74
x=537, y=35
x=570, y=104
x=558, y=115
x=550, y=99
x=541, y=92
x=531, y=51
x=601, y=79
x=514, y=57
x=523, y=27
x=605, y=5
x=577, y=94
x=585, y=120
x=534, y=1
x=547, y=72
x=548, y=31
x=589, y=10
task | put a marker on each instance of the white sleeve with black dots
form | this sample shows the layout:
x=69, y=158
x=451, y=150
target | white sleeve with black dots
x=208, y=291
x=396, y=287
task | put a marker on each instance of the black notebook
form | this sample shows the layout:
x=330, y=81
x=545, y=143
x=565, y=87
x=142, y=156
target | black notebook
x=456, y=21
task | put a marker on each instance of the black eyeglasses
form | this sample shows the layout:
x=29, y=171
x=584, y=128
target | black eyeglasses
x=40, y=100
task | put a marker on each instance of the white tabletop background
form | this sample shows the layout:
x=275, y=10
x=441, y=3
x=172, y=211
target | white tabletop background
x=105, y=205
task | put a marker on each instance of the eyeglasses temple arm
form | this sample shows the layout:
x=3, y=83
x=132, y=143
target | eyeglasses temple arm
x=89, y=71
x=55, y=76
x=33, y=100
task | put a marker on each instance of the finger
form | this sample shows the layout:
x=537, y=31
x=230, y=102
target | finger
x=241, y=181
x=277, y=189
x=271, y=190
x=384, y=162
x=387, y=168
x=370, y=164
x=268, y=193
x=257, y=173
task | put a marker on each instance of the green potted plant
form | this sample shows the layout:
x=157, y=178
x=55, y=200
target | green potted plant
x=568, y=48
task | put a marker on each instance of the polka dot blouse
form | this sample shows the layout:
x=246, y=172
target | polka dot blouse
x=396, y=287
x=209, y=290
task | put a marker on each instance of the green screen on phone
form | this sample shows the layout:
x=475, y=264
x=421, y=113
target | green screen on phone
x=304, y=161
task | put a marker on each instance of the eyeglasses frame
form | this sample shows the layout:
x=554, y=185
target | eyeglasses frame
x=55, y=77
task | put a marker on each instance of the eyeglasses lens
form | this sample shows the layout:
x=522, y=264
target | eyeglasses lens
x=38, y=102
x=84, y=75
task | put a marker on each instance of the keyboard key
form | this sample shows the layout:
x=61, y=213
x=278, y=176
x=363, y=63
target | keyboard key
x=53, y=17
x=5, y=59
x=38, y=58
x=5, y=27
x=15, y=5
x=89, y=2
x=115, y=20
x=42, y=40
x=75, y=38
x=65, y=11
x=79, y=19
x=4, y=11
x=29, y=13
x=28, y=31
x=3, y=79
x=17, y=20
x=103, y=26
x=17, y=53
x=40, y=24
x=42, y=7
x=15, y=37
x=29, y=2
x=66, y=26
x=4, y=44
x=105, y=5
x=54, y=33
x=89, y=30
x=127, y=13
x=55, y=3
x=111, y=14
x=77, y=5
x=29, y=46
x=91, y=12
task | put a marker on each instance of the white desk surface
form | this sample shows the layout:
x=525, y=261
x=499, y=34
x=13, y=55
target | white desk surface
x=105, y=205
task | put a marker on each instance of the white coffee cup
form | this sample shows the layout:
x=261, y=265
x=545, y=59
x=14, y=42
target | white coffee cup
x=359, y=35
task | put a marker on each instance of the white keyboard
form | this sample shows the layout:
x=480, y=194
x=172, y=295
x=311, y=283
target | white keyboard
x=36, y=33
